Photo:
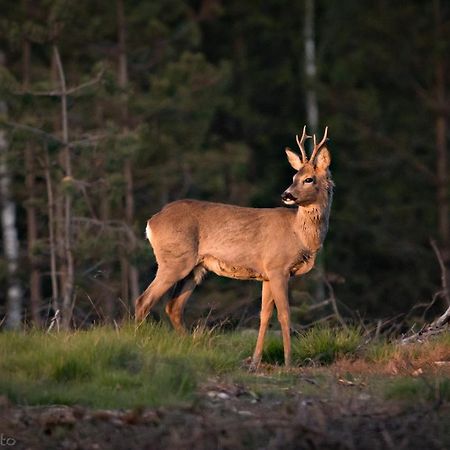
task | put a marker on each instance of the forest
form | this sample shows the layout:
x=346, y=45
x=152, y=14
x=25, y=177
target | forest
x=109, y=110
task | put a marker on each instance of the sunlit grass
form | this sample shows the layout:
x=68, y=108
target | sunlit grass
x=105, y=367
x=318, y=345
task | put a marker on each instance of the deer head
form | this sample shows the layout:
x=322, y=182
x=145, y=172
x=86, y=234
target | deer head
x=311, y=179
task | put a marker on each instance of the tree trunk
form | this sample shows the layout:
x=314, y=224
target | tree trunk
x=130, y=275
x=68, y=286
x=14, y=296
x=52, y=238
x=312, y=108
x=56, y=209
x=108, y=293
x=441, y=128
x=32, y=229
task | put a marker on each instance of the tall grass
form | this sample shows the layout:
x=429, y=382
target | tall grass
x=104, y=367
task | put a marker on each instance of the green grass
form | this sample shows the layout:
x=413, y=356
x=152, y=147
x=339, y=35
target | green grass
x=106, y=367
x=419, y=389
x=322, y=345
x=153, y=365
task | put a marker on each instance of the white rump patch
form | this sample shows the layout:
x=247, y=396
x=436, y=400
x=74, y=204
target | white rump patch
x=148, y=233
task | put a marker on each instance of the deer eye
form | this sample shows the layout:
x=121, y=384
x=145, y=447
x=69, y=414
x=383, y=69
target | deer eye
x=308, y=180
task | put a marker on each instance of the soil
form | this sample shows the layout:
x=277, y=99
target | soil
x=231, y=416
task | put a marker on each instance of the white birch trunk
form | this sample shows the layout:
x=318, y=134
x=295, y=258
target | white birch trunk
x=312, y=106
x=14, y=294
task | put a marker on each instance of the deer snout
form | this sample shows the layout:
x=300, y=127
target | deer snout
x=288, y=198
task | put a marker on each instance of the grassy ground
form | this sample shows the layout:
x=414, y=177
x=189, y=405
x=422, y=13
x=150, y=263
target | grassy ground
x=110, y=388
x=125, y=368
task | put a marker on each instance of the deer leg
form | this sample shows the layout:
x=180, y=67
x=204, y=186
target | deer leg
x=159, y=286
x=267, y=305
x=150, y=297
x=279, y=288
x=175, y=307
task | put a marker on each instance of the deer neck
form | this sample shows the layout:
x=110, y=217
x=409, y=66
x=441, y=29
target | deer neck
x=312, y=221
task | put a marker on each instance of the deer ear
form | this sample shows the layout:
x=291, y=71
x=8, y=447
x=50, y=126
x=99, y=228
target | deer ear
x=323, y=159
x=294, y=159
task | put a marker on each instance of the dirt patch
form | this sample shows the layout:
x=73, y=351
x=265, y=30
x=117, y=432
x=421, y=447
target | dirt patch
x=232, y=416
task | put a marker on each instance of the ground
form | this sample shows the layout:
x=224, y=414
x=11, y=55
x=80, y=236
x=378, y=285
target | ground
x=301, y=409
x=150, y=388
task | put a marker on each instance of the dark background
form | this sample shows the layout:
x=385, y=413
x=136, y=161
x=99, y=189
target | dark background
x=198, y=99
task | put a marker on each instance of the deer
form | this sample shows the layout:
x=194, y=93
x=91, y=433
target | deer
x=191, y=237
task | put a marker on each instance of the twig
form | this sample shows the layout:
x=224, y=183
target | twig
x=68, y=91
x=445, y=291
x=55, y=320
x=334, y=303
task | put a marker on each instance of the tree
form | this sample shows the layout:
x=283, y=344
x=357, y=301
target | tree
x=9, y=230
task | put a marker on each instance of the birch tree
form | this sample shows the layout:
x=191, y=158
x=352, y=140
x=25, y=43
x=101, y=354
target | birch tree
x=14, y=295
x=312, y=105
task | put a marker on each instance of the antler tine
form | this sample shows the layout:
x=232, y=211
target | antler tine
x=317, y=147
x=300, y=144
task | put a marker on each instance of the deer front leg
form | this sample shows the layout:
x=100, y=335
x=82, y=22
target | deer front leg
x=279, y=288
x=266, y=313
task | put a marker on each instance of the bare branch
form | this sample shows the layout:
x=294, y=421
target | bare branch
x=69, y=91
x=445, y=292
x=333, y=301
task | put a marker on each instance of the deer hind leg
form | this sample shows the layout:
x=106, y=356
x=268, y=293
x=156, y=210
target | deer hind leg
x=163, y=281
x=279, y=288
x=267, y=305
x=180, y=296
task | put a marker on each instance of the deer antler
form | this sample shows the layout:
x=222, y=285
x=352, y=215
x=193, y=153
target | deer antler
x=318, y=147
x=300, y=144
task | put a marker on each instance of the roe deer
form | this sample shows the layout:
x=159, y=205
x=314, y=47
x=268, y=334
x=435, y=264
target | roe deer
x=190, y=237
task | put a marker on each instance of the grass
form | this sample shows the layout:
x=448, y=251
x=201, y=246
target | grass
x=127, y=368
x=107, y=368
x=319, y=345
x=419, y=389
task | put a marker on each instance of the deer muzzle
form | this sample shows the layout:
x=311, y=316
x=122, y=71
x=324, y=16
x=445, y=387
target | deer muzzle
x=288, y=198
